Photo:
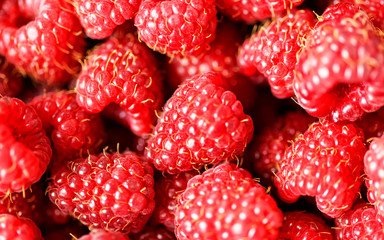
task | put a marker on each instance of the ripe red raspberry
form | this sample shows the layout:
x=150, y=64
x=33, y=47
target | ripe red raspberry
x=100, y=234
x=273, y=49
x=374, y=167
x=12, y=227
x=25, y=149
x=333, y=76
x=100, y=18
x=201, y=124
x=11, y=81
x=74, y=132
x=270, y=145
x=49, y=46
x=361, y=222
x=177, y=27
x=226, y=203
x=374, y=8
x=251, y=11
x=303, y=225
x=167, y=189
x=122, y=70
x=325, y=162
x=109, y=191
x=154, y=233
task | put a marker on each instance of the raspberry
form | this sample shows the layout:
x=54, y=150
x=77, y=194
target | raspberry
x=25, y=149
x=374, y=165
x=104, y=235
x=49, y=46
x=177, y=27
x=154, y=233
x=123, y=71
x=333, y=77
x=372, y=124
x=201, y=124
x=361, y=222
x=374, y=8
x=108, y=191
x=100, y=18
x=73, y=130
x=325, y=162
x=167, y=189
x=273, y=49
x=12, y=227
x=270, y=145
x=251, y=11
x=303, y=225
x=226, y=203
x=11, y=81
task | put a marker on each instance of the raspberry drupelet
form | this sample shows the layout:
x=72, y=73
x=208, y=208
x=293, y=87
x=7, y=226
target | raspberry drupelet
x=73, y=131
x=326, y=162
x=12, y=227
x=25, y=148
x=299, y=225
x=201, y=124
x=49, y=46
x=106, y=191
x=100, y=18
x=273, y=48
x=178, y=27
x=338, y=74
x=124, y=71
x=226, y=203
x=104, y=235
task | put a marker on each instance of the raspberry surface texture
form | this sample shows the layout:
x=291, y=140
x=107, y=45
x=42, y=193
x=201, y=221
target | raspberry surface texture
x=100, y=18
x=11, y=81
x=201, y=124
x=326, y=162
x=374, y=8
x=303, y=225
x=104, y=235
x=106, y=191
x=273, y=48
x=177, y=27
x=124, y=71
x=226, y=203
x=334, y=77
x=251, y=11
x=49, y=45
x=25, y=149
x=12, y=227
x=361, y=222
x=74, y=132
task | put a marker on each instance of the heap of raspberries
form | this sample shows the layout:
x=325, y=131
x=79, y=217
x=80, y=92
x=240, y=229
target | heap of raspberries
x=192, y=120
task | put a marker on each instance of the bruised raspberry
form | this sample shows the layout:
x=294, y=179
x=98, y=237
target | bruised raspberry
x=201, y=124
x=106, y=191
x=326, y=162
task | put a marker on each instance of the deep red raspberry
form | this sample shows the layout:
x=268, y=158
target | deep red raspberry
x=177, y=27
x=25, y=149
x=100, y=18
x=251, y=11
x=154, y=233
x=270, y=145
x=372, y=124
x=272, y=50
x=109, y=191
x=303, y=225
x=48, y=44
x=167, y=189
x=374, y=167
x=226, y=203
x=11, y=81
x=74, y=132
x=361, y=222
x=100, y=234
x=334, y=77
x=201, y=124
x=325, y=162
x=124, y=71
x=12, y=227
